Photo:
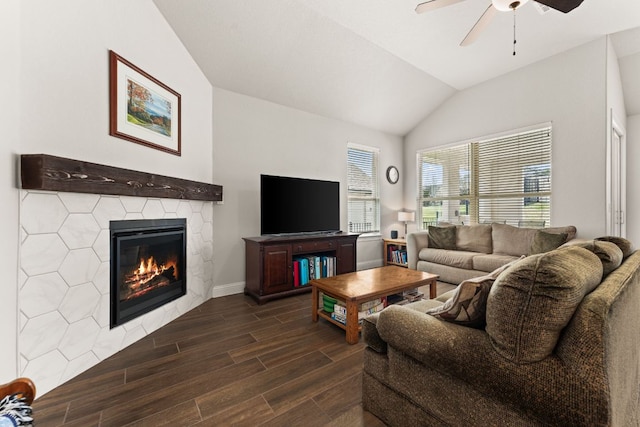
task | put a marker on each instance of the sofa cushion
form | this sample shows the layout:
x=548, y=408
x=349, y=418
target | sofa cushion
x=609, y=253
x=467, y=304
x=474, y=238
x=460, y=259
x=491, y=262
x=545, y=242
x=510, y=240
x=442, y=237
x=516, y=241
x=625, y=245
x=530, y=304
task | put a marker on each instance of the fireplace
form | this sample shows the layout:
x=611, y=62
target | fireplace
x=148, y=266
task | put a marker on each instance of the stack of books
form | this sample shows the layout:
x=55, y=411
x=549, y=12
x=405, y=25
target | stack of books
x=365, y=309
x=312, y=267
x=397, y=254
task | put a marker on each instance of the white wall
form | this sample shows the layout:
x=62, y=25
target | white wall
x=55, y=77
x=252, y=137
x=9, y=142
x=567, y=90
x=633, y=179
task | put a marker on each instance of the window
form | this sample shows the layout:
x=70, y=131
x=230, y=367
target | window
x=505, y=179
x=362, y=185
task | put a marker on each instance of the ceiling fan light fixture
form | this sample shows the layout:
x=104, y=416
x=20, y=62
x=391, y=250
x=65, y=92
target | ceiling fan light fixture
x=508, y=5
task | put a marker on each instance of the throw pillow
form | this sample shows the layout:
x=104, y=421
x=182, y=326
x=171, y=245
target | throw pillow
x=530, y=304
x=625, y=245
x=545, y=242
x=474, y=238
x=467, y=306
x=442, y=237
x=610, y=254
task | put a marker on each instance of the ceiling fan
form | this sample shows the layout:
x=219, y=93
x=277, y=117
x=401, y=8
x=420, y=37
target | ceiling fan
x=564, y=6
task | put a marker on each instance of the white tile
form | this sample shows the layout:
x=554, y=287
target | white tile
x=42, y=213
x=196, y=222
x=184, y=210
x=42, y=253
x=42, y=334
x=42, y=294
x=207, y=232
x=134, y=215
x=79, y=231
x=78, y=366
x=109, y=342
x=79, y=302
x=133, y=335
x=79, y=202
x=207, y=251
x=207, y=211
x=101, y=279
x=133, y=204
x=102, y=246
x=108, y=209
x=196, y=205
x=46, y=371
x=170, y=205
x=79, y=338
x=153, y=209
x=79, y=266
x=153, y=320
x=101, y=313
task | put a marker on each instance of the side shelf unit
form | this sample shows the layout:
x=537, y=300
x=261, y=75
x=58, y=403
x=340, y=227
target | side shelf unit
x=269, y=261
x=395, y=252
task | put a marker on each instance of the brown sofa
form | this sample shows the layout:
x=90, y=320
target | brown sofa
x=561, y=347
x=461, y=252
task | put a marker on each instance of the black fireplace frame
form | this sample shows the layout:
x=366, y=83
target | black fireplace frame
x=122, y=231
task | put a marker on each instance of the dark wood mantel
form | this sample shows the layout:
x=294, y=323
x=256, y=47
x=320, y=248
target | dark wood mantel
x=51, y=173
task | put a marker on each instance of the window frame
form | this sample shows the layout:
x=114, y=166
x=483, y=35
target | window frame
x=483, y=163
x=369, y=214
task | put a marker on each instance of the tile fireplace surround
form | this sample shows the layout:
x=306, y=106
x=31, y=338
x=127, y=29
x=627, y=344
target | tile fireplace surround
x=64, y=262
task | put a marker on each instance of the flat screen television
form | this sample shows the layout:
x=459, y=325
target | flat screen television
x=297, y=205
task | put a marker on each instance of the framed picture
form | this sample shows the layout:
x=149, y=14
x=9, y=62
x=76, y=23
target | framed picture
x=141, y=108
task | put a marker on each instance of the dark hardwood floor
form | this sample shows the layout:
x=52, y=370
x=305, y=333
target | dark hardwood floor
x=227, y=362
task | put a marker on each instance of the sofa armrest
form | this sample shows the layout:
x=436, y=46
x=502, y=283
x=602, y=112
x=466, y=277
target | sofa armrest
x=429, y=340
x=415, y=242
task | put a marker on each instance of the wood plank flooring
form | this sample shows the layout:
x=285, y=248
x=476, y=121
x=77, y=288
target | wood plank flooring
x=227, y=362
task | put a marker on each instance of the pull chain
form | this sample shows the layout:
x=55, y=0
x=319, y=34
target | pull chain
x=514, y=32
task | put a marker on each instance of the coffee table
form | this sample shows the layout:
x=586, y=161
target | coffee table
x=366, y=285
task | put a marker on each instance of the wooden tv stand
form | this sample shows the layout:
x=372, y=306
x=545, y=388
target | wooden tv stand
x=269, y=261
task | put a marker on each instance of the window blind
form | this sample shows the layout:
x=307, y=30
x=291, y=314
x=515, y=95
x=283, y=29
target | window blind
x=505, y=179
x=363, y=193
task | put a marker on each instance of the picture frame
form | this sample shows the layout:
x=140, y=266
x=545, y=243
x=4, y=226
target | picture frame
x=142, y=109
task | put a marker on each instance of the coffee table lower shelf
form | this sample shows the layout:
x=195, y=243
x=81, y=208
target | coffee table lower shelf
x=327, y=317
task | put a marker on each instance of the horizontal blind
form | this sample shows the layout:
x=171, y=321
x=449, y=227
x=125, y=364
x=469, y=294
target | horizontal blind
x=363, y=193
x=514, y=178
x=505, y=179
x=445, y=184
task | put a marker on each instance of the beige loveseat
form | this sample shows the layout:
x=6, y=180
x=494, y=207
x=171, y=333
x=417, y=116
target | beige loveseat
x=457, y=253
x=561, y=347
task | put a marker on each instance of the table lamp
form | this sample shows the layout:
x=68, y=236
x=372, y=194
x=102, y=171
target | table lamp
x=406, y=217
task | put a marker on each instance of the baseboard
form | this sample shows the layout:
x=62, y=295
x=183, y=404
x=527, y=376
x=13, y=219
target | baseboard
x=227, y=289
x=369, y=264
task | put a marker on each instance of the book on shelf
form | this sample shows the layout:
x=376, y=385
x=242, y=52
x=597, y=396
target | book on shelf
x=296, y=273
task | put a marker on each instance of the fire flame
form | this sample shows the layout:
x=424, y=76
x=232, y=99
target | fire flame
x=149, y=269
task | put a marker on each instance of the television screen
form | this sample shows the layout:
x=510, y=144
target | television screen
x=297, y=205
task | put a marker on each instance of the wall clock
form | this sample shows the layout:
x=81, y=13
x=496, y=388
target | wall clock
x=392, y=174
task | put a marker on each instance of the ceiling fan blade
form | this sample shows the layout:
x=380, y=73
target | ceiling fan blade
x=565, y=6
x=434, y=4
x=482, y=23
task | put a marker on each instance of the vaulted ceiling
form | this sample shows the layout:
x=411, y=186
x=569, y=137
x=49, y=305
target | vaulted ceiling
x=377, y=63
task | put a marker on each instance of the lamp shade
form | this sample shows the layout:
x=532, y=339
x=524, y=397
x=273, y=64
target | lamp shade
x=406, y=216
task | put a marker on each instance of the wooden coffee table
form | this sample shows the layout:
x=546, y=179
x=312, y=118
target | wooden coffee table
x=366, y=285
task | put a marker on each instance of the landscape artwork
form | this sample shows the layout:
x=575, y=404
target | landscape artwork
x=142, y=109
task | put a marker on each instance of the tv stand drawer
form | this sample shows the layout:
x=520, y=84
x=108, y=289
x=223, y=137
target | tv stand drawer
x=319, y=245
